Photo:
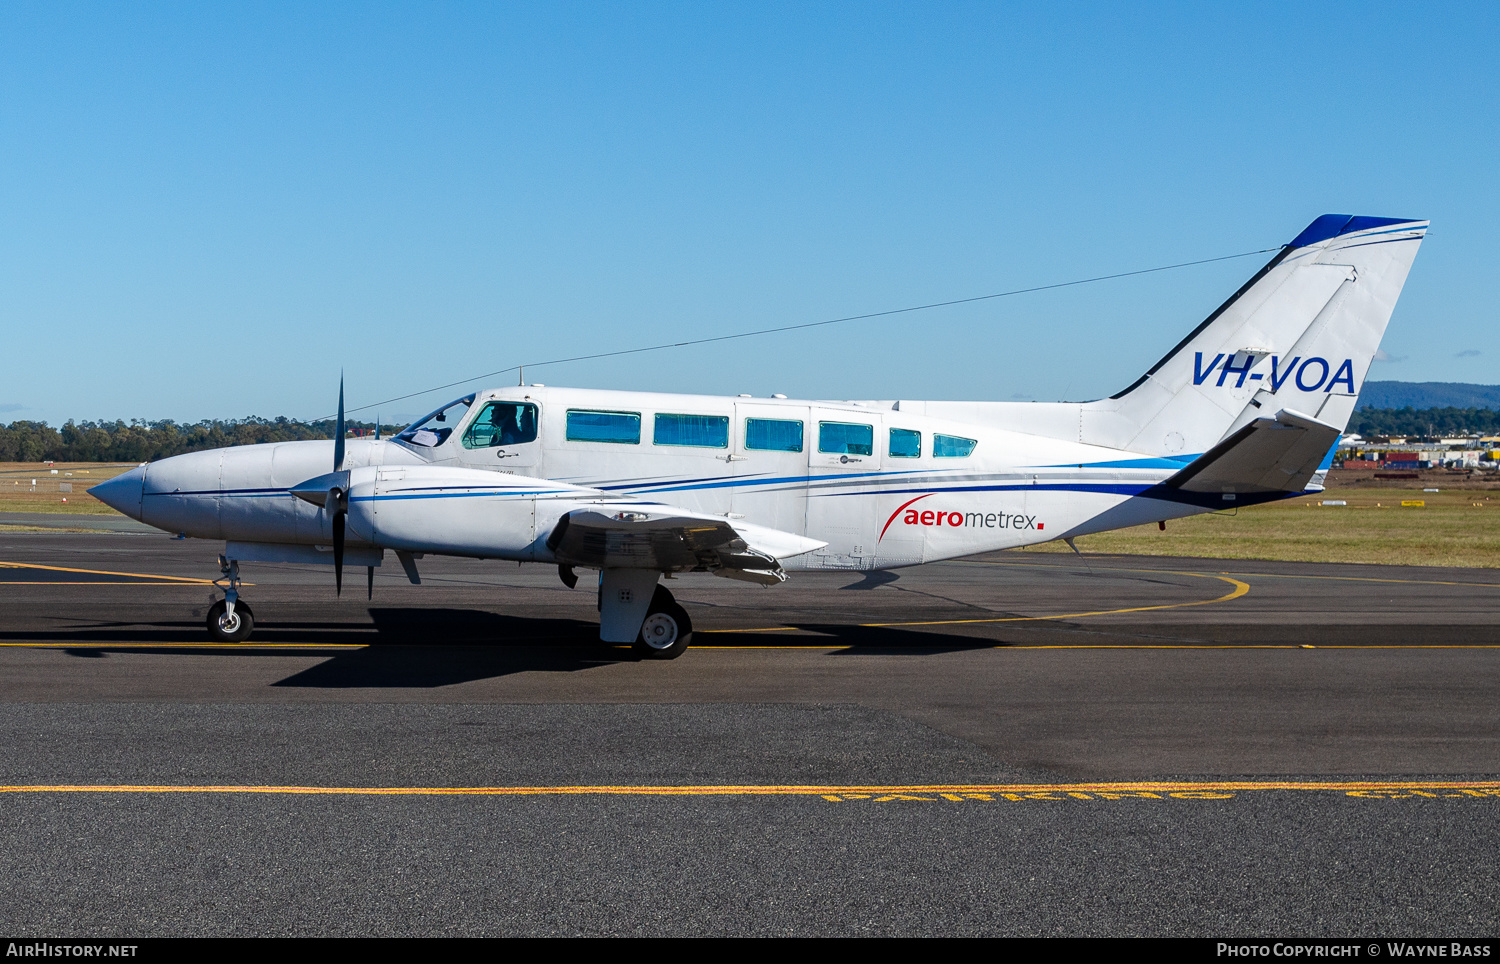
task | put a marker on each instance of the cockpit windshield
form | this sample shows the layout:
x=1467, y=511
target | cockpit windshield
x=434, y=428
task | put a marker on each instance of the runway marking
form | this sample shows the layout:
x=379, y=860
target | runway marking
x=931, y=793
x=1240, y=589
x=1226, y=572
x=825, y=647
x=1411, y=582
x=239, y=646
x=49, y=582
x=165, y=580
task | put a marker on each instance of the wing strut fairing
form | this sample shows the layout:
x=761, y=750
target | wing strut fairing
x=667, y=539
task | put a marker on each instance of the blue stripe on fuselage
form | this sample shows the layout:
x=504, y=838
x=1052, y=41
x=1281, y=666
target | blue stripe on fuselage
x=241, y=493
x=1146, y=463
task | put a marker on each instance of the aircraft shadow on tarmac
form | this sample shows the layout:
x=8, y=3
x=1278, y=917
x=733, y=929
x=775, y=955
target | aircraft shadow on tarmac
x=441, y=647
x=427, y=647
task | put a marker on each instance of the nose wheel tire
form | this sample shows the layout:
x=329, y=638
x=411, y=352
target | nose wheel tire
x=667, y=630
x=226, y=627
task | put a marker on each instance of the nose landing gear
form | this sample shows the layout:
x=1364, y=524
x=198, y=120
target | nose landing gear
x=229, y=619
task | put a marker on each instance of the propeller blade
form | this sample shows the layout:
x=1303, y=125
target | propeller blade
x=338, y=551
x=369, y=582
x=338, y=434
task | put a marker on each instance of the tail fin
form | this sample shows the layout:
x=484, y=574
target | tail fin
x=1298, y=337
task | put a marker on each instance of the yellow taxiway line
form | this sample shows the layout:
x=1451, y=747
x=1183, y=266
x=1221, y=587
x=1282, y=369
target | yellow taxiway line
x=1240, y=589
x=1224, y=572
x=165, y=580
x=244, y=647
x=1179, y=789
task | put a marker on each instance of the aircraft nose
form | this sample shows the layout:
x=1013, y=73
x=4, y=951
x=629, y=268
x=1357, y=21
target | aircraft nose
x=123, y=492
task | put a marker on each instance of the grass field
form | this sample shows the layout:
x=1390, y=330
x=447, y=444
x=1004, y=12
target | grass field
x=1453, y=527
x=18, y=494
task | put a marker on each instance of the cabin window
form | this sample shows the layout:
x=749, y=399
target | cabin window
x=703, y=431
x=846, y=438
x=952, y=447
x=502, y=423
x=433, y=429
x=619, y=427
x=773, y=434
x=905, y=444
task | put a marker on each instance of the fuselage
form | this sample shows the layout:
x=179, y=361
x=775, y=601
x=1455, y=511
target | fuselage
x=882, y=487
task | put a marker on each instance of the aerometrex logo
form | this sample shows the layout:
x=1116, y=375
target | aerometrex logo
x=953, y=519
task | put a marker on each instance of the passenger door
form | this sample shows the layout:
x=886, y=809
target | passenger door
x=844, y=457
x=769, y=464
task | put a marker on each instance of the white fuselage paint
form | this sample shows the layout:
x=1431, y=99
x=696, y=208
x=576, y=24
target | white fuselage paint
x=874, y=511
x=1288, y=351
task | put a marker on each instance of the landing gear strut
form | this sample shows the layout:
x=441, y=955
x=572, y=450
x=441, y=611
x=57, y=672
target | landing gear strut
x=667, y=630
x=230, y=620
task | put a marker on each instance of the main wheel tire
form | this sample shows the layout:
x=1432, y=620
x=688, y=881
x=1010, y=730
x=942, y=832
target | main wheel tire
x=667, y=630
x=226, y=628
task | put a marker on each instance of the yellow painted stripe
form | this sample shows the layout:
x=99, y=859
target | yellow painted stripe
x=60, y=582
x=843, y=646
x=166, y=580
x=204, y=645
x=1240, y=589
x=769, y=790
x=1226, y=572
x=1257, y=646
x=828, y=647
x=1410, y=582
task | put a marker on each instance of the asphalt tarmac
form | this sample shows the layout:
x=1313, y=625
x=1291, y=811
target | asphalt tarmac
x=1012, y=744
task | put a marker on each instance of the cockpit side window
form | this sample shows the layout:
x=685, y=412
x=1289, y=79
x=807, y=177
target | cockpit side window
x=434, y=428
x=502, y=423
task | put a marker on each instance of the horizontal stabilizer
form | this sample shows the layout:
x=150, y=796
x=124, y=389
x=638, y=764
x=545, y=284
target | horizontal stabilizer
x=1267, y=456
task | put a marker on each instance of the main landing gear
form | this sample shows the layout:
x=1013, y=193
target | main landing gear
x=230, y=620
x=667, y=630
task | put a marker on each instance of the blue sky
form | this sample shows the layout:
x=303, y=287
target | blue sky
x=211, y=209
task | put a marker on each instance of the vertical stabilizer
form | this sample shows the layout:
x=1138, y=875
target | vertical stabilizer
x=1298, y=337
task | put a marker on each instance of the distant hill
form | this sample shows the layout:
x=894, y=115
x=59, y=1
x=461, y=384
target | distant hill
x=1428, y=395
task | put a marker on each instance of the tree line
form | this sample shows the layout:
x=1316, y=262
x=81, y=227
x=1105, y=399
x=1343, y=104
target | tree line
x=141, y=441
x=1425, y=421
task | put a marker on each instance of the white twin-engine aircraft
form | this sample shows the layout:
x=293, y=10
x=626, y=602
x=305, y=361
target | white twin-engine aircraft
x=1246, y=409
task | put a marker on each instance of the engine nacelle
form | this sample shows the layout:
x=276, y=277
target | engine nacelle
x=461, y=512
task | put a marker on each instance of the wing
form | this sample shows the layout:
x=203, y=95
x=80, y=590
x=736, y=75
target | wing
x=669, y=539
